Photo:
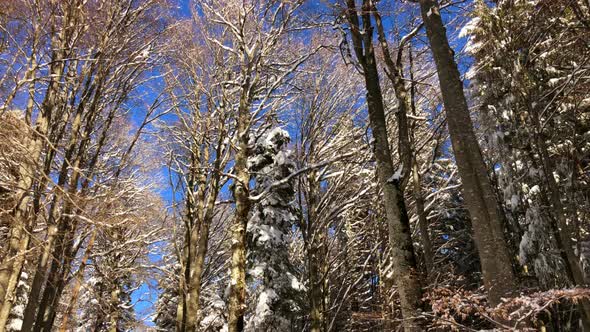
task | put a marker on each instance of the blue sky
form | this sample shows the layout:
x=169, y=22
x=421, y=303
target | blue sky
x=145, y=297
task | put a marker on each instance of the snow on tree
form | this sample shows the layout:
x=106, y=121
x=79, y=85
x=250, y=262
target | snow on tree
x=167, y=303
x=529, y=83
x=273, y=283
x=214, y=317
x=15, y=319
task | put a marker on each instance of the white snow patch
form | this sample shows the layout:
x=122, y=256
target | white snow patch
x=468, y=28
x=397, y=175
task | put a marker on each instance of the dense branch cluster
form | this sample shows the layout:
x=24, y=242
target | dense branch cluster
x=294, y=165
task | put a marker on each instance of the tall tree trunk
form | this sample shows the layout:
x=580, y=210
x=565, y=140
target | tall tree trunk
x=481, y=202
x=241, y=193
x=78, y=283
x=314, y=241
x=403, y=259
x=182, y=286
x=60, y=41
x=52, y=229
x=422, y=220
x=60, y=233
x=405, y=101
x=198, y=263
x=191, y=239
x=12, y=263
x=417, y=179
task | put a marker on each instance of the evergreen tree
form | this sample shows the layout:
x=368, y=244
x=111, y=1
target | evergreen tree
x=167, y=303
x=274, y=285
x=532, y=94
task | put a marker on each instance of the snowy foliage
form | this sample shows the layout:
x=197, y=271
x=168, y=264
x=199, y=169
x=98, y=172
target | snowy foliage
x=273, y=282
x=167, y=303
x=15, y=319
x=529, y=84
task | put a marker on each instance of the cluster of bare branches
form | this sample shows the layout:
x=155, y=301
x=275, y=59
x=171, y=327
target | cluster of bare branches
x=274, y=165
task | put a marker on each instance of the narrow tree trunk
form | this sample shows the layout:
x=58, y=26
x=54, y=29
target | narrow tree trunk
x=78, y=285
x=316, y=286
x=313, y=237
x=190, y=241
x=52, y=233
x=182, y=286
x=422, y=220
x=406, y=156
x=194, y=282
x=481, y=202
x=114, y=316
x=402, y=251
x=237, y=296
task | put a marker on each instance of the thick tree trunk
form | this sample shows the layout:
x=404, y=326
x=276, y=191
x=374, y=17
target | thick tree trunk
x=19, y=242
x=316, y=290
x=12, y=263
x=37, y=284
x=198, y=265
x=57, y=279
x=481, y=202
x=114, y=316
x=403, y=259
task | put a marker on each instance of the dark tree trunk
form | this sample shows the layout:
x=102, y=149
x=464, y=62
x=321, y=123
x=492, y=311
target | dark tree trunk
x=479, y=196
x=405, y=272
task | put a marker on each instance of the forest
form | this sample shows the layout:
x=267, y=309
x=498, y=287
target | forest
x=294, y=165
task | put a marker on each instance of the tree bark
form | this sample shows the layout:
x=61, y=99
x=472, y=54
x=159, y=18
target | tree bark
x=202, y=241
x=314, y=239
x=52, y=229
x=78, y=284
x=417, y=179
x=422, y=220
x=403, y=259
x=405, y=150
x=12, y=263
x=241, y=193
x=496, y=264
